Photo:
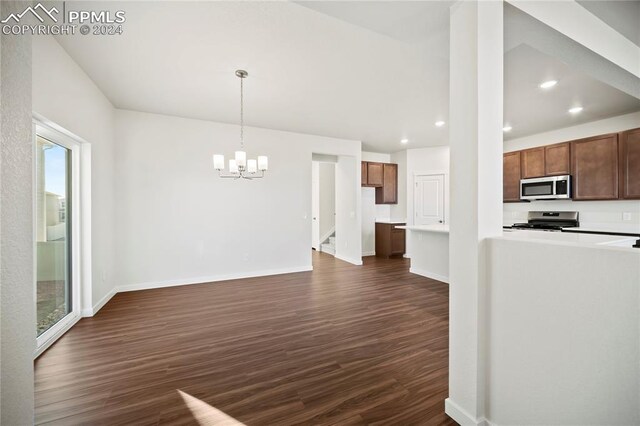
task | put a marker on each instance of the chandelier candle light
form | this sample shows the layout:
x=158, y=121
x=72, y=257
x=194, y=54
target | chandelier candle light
x=240, y=167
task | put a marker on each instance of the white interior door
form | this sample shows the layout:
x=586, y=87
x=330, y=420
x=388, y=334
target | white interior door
x=315, y=205
x=429, y=199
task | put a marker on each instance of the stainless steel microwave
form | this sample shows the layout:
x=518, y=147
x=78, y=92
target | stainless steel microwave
x=546, y=188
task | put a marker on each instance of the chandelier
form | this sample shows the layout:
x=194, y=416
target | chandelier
x=240, y=167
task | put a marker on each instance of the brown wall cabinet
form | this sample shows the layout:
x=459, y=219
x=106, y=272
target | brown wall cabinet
x=383, y=177
x=390, y=241
x=629, y=158
x=557, y=159
x=388, y=193
x=550, y=160
x=511, y=176
x=594, y=162
x=373, y=174
x=533, y=163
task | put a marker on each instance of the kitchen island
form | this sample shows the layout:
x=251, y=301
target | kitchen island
x=429, y=250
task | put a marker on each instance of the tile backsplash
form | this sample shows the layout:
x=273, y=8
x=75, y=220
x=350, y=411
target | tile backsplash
x=608, y=215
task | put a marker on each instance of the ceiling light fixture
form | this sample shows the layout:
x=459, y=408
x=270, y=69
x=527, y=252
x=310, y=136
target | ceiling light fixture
x=404, y=141
x=548, y=84
x=440, y=123
x=240, y=167
x=575, y=110
x=507, y=128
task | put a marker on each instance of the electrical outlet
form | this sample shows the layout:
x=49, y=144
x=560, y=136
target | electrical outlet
x=626, y=216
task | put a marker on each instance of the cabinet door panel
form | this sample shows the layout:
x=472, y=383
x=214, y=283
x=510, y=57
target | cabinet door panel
x=557, y=159
x=375, y=174
x=533, y=163
x=363, y=171
x=511, y=176
x=630, y=164
x=397, y=241
x=594, y=162
x=388, y=194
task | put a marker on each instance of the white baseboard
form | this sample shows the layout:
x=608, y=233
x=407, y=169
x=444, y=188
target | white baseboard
x=357, y=262
x=458, y=414
x=429, y=274
x=94, y=310
x=369, y=253
x=208, y=279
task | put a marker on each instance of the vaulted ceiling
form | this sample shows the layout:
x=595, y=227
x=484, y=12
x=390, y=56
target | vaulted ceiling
x=370, y=71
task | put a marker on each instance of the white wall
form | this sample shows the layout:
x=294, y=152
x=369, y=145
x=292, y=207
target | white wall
x=399, y=210
x=563, y=334
x=607, y=215
x=178, y=222
x=327, y=198
x=425, y=160
x=65, y=95
x=348, y=208
x=370, y=210
x=17, y=307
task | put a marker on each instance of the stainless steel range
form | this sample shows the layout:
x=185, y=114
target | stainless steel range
x=549, y=221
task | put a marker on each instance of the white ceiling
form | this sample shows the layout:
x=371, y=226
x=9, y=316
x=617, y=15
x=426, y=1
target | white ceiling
x=370, y=71
x=530, y=109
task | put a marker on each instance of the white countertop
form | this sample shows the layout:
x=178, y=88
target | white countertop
x=390, y=221
x=627, y=228
x=569, y=237
x=436, y=227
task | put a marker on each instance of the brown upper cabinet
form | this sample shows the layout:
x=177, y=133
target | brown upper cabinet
x=594, y=162
x=557, y=159
x=383, y=177
x=511, y=176
x=532, y=163
x=550, y=160
x=629, y=158
x=363, y=171
x=388, y=193
x=374, y=174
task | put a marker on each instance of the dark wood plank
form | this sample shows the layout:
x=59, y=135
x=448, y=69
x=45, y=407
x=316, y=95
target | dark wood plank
x=339, y=345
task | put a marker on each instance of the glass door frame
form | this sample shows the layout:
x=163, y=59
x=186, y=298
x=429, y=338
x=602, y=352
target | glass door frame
x=56, y=135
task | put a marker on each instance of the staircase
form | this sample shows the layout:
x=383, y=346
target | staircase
x=329, y=245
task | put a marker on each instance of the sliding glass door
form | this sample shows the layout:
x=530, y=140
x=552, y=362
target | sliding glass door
x=53, y=234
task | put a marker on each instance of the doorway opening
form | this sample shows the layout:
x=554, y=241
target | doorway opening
x=323, y=205
x=57, y=231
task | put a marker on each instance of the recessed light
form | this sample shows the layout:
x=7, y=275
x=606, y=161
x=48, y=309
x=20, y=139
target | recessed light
x=404, y=141
x=575, y=110
x=548, y=84
x=440, y=123
x=507, y=128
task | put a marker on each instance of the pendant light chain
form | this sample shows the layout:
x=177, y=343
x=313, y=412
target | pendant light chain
x=242, y=113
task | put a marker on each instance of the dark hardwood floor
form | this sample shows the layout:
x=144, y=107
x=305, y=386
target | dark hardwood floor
x=340, y=345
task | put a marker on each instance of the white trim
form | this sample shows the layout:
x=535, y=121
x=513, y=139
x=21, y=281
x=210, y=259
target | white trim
x=346, y=259
x=369, y=253
x=80, y=201
x=50, y=336
x=209, y=279
x=458, y=414
x=429, y=274
x=94, y=310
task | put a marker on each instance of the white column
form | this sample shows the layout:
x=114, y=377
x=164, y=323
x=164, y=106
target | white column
x=475, y=117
